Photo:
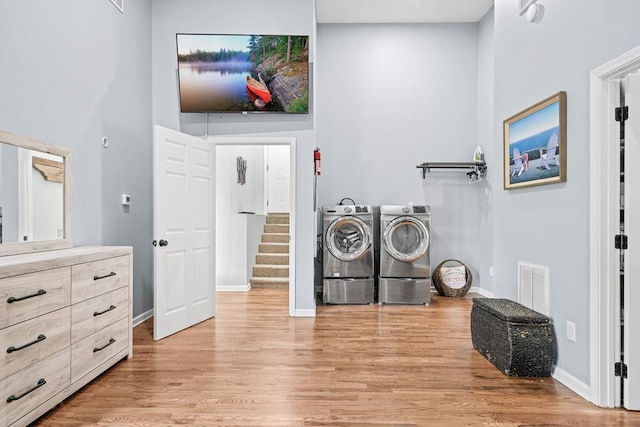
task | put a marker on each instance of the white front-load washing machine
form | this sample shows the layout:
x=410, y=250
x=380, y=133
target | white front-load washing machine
x=405, y=254
x=348, y=270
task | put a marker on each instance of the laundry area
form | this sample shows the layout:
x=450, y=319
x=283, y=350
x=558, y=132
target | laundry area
x=382, y=254
x=389, y=253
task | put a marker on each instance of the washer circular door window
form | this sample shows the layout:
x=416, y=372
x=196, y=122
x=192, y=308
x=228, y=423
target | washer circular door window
x=348, y=238
x=406, y=239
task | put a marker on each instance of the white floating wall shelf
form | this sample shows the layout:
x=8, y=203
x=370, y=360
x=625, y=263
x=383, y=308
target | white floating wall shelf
x=475, y=168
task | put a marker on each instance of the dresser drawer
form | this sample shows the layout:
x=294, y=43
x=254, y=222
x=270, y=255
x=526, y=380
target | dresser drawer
x=97, y=348
x=96, y=278
x=31, y=295
x=90, y=316
x=32, y=386
x=33, y=340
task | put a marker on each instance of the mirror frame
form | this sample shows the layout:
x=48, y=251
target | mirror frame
x=44, y=245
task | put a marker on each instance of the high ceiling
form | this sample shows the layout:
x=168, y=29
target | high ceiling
x=400, y=11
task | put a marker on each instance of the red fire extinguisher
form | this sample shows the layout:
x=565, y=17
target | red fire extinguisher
x=316, y=161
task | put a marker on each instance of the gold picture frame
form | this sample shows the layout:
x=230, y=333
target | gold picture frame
x=535, y=144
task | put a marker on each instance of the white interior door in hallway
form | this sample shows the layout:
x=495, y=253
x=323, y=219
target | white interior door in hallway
x=278, y=179
x=631, y=288
x=183, y=226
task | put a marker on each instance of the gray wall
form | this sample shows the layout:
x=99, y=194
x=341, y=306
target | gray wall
x=9, y=192
x=220, y=16
x=390, y=97
x=71, y=74
x=549, y=225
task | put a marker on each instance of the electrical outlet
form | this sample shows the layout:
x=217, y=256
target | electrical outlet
x=571, y=331
x=491, y=271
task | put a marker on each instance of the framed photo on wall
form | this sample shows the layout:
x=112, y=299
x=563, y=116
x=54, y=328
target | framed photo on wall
x=535, y=144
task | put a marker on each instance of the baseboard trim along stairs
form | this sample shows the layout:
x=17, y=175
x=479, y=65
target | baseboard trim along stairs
x=272, y=262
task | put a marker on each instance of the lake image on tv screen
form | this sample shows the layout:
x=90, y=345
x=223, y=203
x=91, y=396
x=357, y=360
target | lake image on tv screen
x=237, y=73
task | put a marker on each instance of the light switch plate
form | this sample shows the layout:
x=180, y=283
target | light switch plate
x=571, y=331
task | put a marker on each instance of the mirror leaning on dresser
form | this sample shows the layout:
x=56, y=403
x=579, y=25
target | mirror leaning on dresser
x=65, y=312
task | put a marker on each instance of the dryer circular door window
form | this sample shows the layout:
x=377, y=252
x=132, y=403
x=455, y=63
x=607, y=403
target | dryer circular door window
x=406, y=238
x=348, y=238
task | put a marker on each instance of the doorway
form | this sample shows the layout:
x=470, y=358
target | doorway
x=242, y=213
x=608, y=328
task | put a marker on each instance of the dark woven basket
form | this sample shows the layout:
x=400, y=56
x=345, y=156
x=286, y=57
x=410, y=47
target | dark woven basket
x=445, y=290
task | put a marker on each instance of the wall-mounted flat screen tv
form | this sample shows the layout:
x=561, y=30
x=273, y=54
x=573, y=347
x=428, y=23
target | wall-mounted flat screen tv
x=231, y=73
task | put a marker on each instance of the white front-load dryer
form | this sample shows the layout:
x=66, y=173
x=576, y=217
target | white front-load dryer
x=348, y=254
x=405, y=254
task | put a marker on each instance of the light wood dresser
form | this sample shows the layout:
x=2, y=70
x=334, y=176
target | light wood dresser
x=65, y=317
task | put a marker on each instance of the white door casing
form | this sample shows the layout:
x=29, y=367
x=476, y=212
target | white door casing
x=290, y=143
x=603, y=218
x=184, y=218
x=631, y=385
x=278, y=179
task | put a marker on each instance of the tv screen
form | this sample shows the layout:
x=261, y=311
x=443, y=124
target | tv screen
x=227, y=73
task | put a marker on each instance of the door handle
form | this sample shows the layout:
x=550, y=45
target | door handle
x=163, y=243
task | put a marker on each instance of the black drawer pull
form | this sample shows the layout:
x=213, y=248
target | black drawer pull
x=97, y=349
x=13, y=397
x=105, y=276
x=37, y=294
x=99, y=313
x=41, y=337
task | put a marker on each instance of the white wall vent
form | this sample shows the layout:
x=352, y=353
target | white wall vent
x=533, y=287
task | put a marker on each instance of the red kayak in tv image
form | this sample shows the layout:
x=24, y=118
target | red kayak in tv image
x=259, y=89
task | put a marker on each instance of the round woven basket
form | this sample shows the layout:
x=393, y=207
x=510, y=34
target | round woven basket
x=445, y=290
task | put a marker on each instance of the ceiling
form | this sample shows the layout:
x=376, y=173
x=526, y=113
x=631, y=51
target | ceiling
x=400, y=11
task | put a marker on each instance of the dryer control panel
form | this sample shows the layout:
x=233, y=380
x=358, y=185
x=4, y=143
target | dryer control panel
x=362, y=209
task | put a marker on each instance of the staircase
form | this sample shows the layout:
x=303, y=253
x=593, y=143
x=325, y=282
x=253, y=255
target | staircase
x=272, y=262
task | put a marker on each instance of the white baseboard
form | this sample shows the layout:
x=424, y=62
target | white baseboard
x=240, y=288
x=142, y=317
x=480, y=291
x=574, y=384
x=307, y=312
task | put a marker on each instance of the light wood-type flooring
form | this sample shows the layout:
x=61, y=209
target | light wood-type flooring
x=253, y=365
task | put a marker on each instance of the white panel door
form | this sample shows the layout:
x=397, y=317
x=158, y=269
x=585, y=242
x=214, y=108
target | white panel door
x=631, y=399
x=184, y=224
x=278, y=179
